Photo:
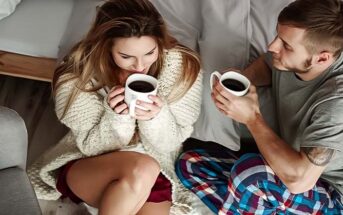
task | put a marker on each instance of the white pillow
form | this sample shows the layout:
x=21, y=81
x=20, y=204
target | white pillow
x=223, y=43
x=7, y=7
x=80, y=21
x=183, y=19
x=263, y=24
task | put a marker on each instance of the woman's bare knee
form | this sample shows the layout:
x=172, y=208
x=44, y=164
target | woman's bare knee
x=143, y=173
x=88, y=178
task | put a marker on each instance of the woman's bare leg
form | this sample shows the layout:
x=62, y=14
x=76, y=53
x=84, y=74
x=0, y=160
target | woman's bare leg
x=141, y=203
x=150, y=208
x=115, y=183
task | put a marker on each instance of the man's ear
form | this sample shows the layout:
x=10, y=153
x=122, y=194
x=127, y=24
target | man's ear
x=324, y=57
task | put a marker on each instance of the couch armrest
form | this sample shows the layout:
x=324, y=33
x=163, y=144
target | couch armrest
x=13, y=139
x=16, y=193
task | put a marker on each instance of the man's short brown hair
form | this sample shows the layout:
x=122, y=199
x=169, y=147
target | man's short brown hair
x=322, y=20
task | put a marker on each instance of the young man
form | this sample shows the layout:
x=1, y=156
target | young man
x=300, y=166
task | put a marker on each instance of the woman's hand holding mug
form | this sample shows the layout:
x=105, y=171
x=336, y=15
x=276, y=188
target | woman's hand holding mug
x=151, y=109
x=141, y=96
x=116, y=100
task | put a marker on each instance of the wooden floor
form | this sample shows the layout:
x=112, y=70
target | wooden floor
x=64, y=207
x=32, y=100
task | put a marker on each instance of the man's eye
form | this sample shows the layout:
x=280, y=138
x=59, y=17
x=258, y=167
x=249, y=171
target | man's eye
x=287, y=47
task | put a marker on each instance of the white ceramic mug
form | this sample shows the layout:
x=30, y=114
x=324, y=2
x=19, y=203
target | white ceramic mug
x=231, y=75
x=132, y=95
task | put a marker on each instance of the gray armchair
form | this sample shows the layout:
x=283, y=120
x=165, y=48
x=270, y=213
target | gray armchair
x=16, y=194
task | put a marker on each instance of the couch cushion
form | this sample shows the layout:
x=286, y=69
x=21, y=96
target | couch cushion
x=36, y=27
x=16, y=193
x=13, y=139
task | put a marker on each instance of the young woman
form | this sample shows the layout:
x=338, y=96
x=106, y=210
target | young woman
x=109, y=160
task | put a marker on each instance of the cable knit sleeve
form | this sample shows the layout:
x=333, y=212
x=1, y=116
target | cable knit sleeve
x=175, y=121
x=95, y=126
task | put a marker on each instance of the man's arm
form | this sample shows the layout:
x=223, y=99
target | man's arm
x=299, y=171
x=259, y=73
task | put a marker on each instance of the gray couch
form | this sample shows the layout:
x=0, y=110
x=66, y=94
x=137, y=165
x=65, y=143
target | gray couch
x=16, y=194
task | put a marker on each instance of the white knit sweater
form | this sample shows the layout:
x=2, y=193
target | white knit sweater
x=95, y=129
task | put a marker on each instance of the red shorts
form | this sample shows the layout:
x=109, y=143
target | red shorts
x=161, y=191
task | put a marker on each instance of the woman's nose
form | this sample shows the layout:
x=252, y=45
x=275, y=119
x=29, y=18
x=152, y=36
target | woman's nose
x=139, y=66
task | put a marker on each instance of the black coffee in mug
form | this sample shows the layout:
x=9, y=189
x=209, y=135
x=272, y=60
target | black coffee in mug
x=233, y=84
x=141, y=86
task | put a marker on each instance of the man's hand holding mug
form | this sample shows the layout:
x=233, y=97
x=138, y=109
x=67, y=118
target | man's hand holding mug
x=234, y=96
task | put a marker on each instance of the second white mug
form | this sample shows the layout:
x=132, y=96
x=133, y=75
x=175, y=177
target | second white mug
x=232, y=81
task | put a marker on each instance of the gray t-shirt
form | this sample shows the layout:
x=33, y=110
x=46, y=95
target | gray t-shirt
x=310, y=113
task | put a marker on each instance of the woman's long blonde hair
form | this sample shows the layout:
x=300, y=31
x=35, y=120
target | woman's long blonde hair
x=91, y=58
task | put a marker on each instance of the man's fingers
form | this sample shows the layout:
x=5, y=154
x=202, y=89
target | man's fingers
x=222, y=95
x=218, y=98
x=252, y=89
x=222, y=91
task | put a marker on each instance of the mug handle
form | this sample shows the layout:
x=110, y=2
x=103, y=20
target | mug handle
x=132, y=107
x=217, y=74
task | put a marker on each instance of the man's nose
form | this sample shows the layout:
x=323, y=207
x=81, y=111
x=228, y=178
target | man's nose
x=275, y=45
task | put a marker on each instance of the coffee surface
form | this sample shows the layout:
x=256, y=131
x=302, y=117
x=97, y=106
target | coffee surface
x=141, y=86
x=233, y=84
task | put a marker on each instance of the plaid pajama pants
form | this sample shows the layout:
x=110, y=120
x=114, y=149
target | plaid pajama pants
x=247, y=185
